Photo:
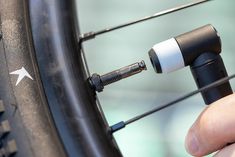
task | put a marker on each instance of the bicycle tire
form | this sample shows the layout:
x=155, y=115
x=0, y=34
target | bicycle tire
x=53, y=113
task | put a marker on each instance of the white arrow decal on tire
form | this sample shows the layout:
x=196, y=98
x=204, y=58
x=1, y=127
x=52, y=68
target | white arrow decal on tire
x=21, y=74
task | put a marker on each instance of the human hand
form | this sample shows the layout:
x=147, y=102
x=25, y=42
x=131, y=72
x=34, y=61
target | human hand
x=214, y=130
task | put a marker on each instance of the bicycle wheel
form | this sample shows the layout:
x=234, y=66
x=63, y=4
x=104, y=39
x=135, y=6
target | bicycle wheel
x=48, y=105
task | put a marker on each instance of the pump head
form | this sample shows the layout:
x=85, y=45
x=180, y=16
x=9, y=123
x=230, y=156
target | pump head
x=200, y=50
x=180, y=51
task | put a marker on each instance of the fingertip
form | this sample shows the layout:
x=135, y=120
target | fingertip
x=192, y=143
x=213, y=129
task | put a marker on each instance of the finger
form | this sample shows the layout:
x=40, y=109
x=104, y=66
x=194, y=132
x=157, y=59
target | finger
x=228, y=151
x=213, y=129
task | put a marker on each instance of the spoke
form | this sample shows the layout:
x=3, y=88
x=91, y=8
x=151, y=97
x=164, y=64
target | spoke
x=122, y=124
x=91, y=35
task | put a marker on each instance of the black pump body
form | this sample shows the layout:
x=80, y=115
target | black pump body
x=206, y=69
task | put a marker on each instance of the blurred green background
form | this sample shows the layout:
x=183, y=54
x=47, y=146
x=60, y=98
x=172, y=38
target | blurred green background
x=162, y=134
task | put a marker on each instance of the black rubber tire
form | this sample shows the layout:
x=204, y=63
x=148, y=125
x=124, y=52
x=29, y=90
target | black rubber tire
x=54, y=113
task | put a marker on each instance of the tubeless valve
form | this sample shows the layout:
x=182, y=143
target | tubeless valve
x=98, y=82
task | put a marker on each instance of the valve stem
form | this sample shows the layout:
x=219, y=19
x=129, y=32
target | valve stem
x=98, y=82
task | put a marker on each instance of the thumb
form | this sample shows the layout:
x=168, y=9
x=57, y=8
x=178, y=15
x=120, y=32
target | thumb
x=228, y=151
x=213, y=129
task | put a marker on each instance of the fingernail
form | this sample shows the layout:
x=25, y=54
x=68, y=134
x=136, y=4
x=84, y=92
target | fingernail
x=192, y=144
